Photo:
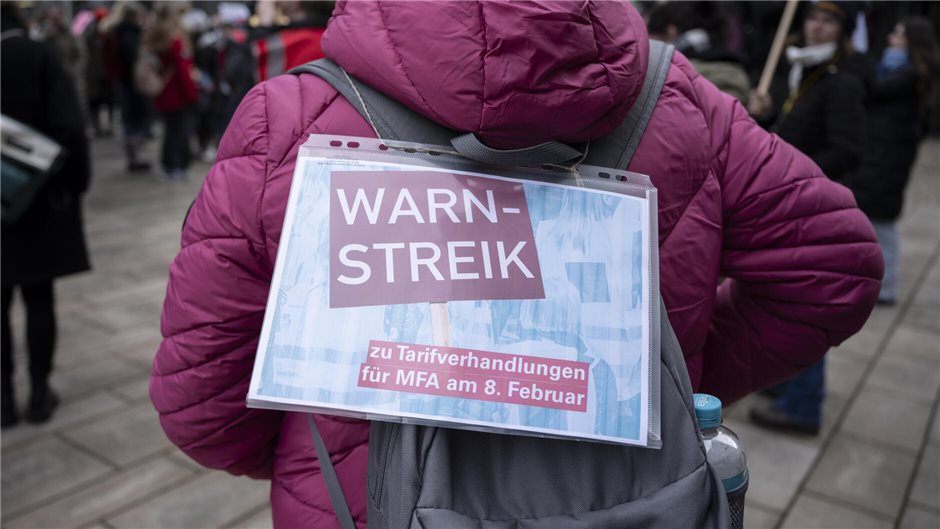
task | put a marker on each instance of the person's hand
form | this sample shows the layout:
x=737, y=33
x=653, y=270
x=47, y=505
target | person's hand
x=759, y=104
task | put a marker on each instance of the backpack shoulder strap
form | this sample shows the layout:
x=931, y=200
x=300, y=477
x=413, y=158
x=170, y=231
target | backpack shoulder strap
x=391, y=119
x=395, y=121
x=617, y=148
x=333, y=488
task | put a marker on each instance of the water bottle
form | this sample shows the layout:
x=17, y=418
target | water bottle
x=725, y=454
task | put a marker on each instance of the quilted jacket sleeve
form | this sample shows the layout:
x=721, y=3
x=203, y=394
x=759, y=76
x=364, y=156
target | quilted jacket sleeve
x=214, y=307
x=802, y=263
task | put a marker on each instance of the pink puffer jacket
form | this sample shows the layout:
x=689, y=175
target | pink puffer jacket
x=801, y=263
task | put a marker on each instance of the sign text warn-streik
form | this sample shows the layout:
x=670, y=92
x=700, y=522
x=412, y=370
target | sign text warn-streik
x=424, y=236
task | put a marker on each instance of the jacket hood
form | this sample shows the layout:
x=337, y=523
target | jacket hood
x=516, y=74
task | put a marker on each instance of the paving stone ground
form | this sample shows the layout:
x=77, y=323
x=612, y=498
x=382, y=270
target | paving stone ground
x=103, y=462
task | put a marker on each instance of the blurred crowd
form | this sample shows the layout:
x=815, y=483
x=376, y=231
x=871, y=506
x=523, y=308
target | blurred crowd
x=137, y=64
x=187, y=65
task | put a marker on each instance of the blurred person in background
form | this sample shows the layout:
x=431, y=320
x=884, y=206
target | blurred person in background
x=48, y=240
x=824, y=118
x=226, y=68
x=176, y=103
x=699, y=31
x=98, y=79
x=289, y=34
x=827, y=83
x=237, y=74
x=123, y=45
x=905, y=79
x=53, y=28
x=208, y=40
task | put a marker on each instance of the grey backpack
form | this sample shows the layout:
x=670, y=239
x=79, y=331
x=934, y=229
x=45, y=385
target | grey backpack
x=432, y=477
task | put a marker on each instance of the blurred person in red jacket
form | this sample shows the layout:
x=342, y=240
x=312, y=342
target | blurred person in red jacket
x=170, y=44
x=291, y=37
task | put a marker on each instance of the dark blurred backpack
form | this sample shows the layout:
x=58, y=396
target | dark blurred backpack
x=433, y=477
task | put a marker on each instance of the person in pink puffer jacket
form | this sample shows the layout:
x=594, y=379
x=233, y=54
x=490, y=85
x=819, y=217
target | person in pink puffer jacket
x=801, y=262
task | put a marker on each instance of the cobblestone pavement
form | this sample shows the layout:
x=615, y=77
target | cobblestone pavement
x=103, y=461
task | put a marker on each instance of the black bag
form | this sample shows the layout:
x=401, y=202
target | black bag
x=27, y=159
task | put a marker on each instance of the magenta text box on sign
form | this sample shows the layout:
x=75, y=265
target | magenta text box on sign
x=474, y=374
x=424, y=236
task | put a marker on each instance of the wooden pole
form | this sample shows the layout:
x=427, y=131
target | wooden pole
x=783, y=29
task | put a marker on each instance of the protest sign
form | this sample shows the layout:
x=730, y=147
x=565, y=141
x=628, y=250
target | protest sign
x=414, y=291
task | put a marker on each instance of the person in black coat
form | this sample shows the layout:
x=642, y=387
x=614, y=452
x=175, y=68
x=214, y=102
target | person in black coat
x=135, y=107
x=47, y=241
x=824, y=117
x=822, y=110
x=898, y=100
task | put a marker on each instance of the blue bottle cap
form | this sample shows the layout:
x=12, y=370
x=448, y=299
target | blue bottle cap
x=707, y=411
